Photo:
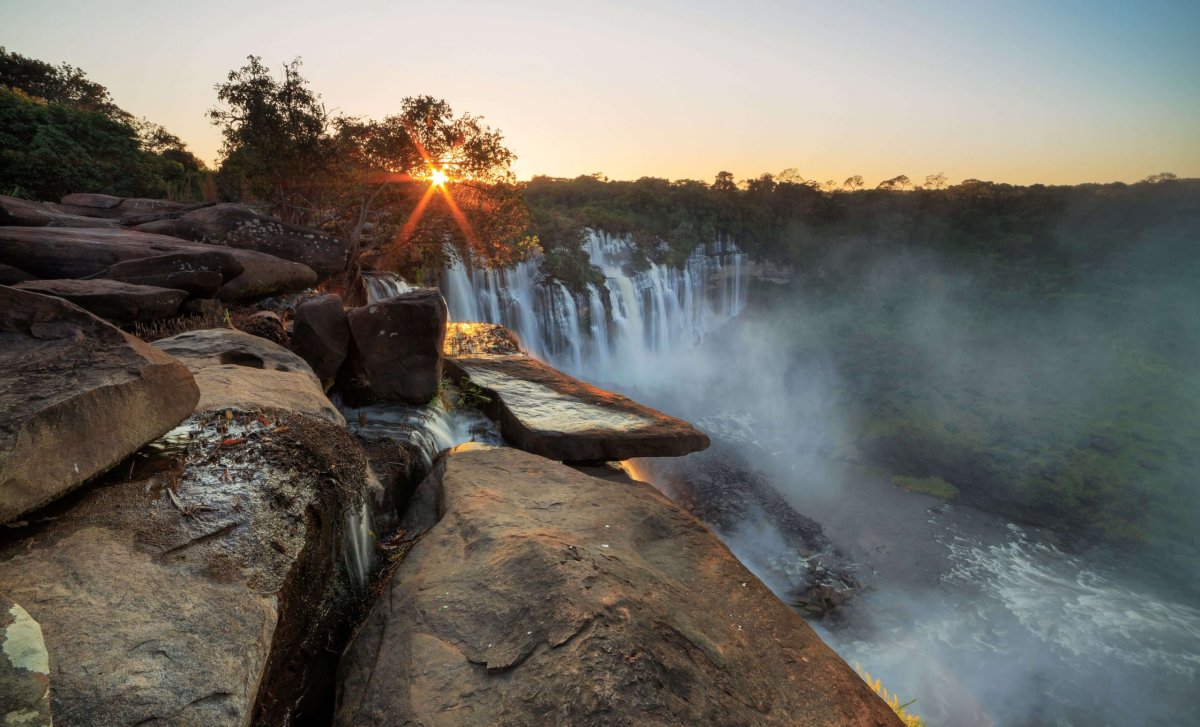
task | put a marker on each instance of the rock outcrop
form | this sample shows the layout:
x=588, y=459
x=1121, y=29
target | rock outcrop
x=14, y=211
x=544, y=596
x=236, y=226
x=199, y=273
x=397, y=349
x=76, y=397
x=24, y=669
x=321, y=335
x=112, y=300
x=125, y=210
x=52, y=253
x=236, y=370
x=544, y=411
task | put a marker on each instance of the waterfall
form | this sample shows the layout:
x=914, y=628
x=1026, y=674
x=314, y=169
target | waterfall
x=614, y=331
x=383, y=285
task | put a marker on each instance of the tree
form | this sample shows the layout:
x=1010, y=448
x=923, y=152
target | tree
x=1160, y=177
x=724, y=182
x=895, y=183
x=853, y=183
x=935, y=181
x=276, y=144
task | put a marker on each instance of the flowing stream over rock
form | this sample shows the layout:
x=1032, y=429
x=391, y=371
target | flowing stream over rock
x=981, y=621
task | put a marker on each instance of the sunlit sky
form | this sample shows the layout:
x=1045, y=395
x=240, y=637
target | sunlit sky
x=1023, y=91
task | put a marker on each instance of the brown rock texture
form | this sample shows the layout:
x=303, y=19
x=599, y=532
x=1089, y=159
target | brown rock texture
x=112, y=299
x=397, y=349
x=24, y=668
x=544, y=411
x=76, y=397
x=541, y=595
x=321, y=335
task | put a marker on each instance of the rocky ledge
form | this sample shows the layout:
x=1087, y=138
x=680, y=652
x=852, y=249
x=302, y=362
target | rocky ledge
x=544, y=411
x=541, y=595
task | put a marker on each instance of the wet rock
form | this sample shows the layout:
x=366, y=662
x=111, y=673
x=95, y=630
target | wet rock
x=236, y=370
x=112, y=299
x=321, y=335
x=239, y=227
x=76, y=397
x=24, y=668
x=200, y=586
x=544, y=411
x=53, y=253
x=544, y=596
x=397, y=349
x=23, y=212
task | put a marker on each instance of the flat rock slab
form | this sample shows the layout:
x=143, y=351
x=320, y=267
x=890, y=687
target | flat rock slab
x=53, y=252
x=544, y=596
x=236, y=370
x=24, y=668
x=112, y=299
x=76, y=397
x=14, y=211
x=544, y=411
x=195, y=586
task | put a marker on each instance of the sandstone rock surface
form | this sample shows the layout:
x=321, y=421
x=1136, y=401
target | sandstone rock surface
x=76, y=397
x=397, y=351
x=544, y=411
x=112, y=299
x=239, y=227
x=321, y=335
x=544, y=596
x=14, y=211
x=24, y=668
x=236, y=370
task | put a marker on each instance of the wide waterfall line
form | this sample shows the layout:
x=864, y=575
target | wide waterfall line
x=615, y=331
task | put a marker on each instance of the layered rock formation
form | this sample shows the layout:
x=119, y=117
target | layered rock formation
x=541, y=595
x=76, y=397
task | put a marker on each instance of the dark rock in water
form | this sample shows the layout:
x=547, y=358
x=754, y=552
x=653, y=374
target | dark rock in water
x=236, y=370
x=239, y=227
x=23, y=212
x=112, y=299
x=544, y=411
x=264, y=324
x=397, y=349
x=11, y=276
x=543, y=596
x=321, y=335
x=200, y=586
x=76, y=397
x=24, y=668
x=398, y=466
x=53, y=253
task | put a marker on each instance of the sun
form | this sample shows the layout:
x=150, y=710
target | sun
x=438, y=177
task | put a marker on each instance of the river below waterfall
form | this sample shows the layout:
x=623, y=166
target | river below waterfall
x=980, y=620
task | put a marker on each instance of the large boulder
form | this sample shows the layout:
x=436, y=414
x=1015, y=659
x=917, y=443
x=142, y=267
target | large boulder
x=199, y=273
x=321, y=335
x=397, y=349
x=10, y=275
x=14, y=211
x=240, y=227
x=544, y=411
x=111, y=299
x=544, y=596
x=76, y=397
x=236, y=370
x=125, y=210
x=24, y=668
x=76, y=253
x=203, y=585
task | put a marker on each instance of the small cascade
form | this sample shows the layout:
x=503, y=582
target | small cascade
x=615, y=331
x=382, y=285
x=359, y=545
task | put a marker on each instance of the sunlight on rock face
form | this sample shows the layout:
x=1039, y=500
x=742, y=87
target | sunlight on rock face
x=471, y=339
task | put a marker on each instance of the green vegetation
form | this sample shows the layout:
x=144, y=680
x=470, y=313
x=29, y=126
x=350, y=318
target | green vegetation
x=62, y=133
x=935, y=486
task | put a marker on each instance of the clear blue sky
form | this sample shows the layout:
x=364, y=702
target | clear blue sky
x=1056, y=92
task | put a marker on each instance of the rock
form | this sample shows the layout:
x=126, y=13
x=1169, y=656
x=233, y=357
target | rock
x=71, y=253
x=321, y=335
x=199, y=273
x=15, y=211
x=112, y=299
x=397, y=349
x=24, y=668
x=544, y=411
x=264, y=324
x=475, y=339
x=544, y=596
x=237, y=226
x=200, y=586
x=206, y=307
x=76, y=397
x=11, y=276
x=127, y=210
x=236, y=370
